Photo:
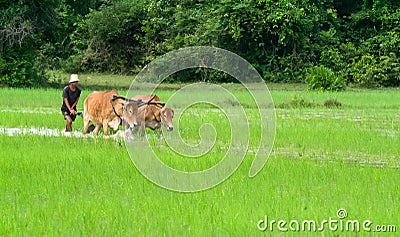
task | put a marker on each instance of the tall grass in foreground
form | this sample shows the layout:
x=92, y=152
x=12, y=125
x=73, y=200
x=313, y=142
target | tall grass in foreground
x=90, y=187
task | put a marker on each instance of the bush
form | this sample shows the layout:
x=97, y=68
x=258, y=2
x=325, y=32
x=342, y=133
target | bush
x=16, y=73
x=373, y=72
x=21, y=70
x=332, y=103
x=324, y=79
x=3, y=67
x=297, y=102
x=332, y=58
x=391, y=68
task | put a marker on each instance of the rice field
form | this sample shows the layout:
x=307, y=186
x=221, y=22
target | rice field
x=326, y=157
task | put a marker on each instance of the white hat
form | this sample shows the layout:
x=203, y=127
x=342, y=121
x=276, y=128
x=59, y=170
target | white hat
x=74, y=78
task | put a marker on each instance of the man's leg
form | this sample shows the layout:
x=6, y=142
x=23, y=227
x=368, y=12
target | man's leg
x=68, y=126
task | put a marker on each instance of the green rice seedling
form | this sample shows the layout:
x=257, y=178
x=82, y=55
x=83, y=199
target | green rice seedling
x=323, y=160
x=98, y=191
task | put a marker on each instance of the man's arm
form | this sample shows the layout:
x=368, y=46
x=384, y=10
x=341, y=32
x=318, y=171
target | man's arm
x=76, y=102
x=71, y=110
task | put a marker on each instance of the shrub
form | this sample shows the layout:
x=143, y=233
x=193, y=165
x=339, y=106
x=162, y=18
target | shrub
x=332, y=103
x=366, y=73
x=371, y=71
x=391, y=68
x=297, y=102
x=3, y=66
x=17, y=73
x=324, y=79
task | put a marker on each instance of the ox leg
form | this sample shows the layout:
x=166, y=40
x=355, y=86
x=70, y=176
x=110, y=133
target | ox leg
x=96, y=129
x=143, y=129
x=134, y=131
x=125, y=125
x=105, y=128
x=159, y=136
x=85, y=124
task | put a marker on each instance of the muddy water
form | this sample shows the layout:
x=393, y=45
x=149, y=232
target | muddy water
x=48, y=132
x=38, y=131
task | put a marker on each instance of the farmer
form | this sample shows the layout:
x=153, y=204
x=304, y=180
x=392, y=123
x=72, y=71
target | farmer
x=71, y=94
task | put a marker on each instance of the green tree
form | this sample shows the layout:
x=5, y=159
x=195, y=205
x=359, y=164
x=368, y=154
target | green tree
x=282, y=39
x=61, y=40
x=23, y=27
x=108, y=39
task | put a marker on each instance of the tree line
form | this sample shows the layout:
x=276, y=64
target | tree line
x=333, y=42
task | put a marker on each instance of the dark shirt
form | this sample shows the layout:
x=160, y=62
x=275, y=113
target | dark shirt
x=71, y=96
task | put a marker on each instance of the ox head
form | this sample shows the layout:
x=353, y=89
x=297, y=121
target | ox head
x=166, y=118
x=126, y=109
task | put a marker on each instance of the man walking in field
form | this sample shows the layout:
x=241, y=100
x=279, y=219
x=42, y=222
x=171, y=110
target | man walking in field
x=71, y=94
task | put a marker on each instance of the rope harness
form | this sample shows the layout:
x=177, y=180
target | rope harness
x=115, y=97
x=156, y=104
x=139, y=102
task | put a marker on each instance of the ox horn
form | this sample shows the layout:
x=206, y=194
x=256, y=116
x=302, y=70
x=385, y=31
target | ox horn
x=116, y=97
x=156, y=103
x=152, y=98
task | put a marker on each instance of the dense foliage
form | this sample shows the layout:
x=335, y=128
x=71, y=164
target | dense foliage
x=285, y=40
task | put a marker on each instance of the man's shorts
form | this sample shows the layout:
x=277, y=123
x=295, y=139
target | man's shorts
x=67, y=113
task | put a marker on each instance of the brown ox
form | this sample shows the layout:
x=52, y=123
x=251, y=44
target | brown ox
x=152, y=113
x=107, y=109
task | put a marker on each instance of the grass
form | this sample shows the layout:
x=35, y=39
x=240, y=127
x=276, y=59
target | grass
x=323, y=159
x=89, y=194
